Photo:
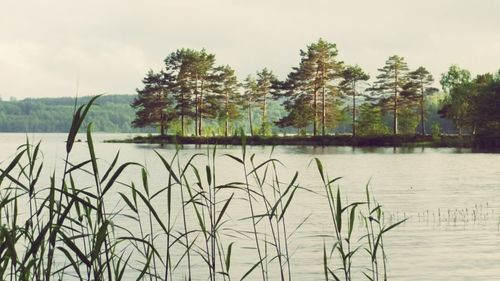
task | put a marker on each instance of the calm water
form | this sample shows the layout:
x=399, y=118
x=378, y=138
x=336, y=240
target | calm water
x=452, y=199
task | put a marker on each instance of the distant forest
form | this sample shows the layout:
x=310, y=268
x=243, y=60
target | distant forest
x=112, y=113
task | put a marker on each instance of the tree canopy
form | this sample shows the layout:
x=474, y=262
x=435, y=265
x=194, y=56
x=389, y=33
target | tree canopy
x=322, y=95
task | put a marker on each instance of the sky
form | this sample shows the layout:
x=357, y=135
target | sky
x=56, y=48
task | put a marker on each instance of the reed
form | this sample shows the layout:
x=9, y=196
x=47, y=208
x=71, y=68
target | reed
x=72, y=230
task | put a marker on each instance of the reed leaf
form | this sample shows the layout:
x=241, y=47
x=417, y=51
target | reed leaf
x=252, y=269
x=223, y=211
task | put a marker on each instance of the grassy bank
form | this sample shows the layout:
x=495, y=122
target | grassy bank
x=343, y=140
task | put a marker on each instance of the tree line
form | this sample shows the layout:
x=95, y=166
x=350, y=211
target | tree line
x=472, y=103
x=317, y=95
x=112, y=113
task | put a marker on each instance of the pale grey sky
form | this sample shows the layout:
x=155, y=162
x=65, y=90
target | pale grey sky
x=110, y=44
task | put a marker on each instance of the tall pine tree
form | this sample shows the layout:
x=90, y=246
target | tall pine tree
x=203, y=78
x=251, y=93
x=351, y=76
x=391, y=81
x=228, y=95
x=421, y=80
x=194, y=80
x=298, y=107
x=266, y=86
x=177, y=66
x=313, y=81
x=154, y=102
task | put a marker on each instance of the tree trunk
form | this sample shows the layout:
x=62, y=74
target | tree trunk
x=162, y=115
x=227, y=115
x=264, y=116
x=323, y=113
x=315, y=109
x=395, y=118
x=162, y=124
x=422, y=122
x=182, y=114
x=196, y=110
x=200, y=123
x=353, y=109
x=315, y=105
x=250, y=117
x=182, y=124
x=323, y=117
x=162, y=129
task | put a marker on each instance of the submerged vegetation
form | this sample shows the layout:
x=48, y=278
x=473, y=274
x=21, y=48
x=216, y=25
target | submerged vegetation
x=87, y=223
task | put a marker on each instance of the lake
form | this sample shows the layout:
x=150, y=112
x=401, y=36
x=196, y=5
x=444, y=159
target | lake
x=451, y=198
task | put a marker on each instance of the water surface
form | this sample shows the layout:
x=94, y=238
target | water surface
x=451, y=197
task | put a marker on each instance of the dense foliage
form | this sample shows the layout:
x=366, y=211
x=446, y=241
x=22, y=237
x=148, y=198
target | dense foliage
x=323, y=95
x=112, y=113
x=472, y=103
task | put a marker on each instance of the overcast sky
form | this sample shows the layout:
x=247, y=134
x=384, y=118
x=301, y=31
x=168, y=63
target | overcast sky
x=108, y=45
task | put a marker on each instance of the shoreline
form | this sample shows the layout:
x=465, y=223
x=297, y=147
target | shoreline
x=342, y=140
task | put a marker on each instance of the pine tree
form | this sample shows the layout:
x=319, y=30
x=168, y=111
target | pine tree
x=176, y=65
x=194, y=79
x=203, y=77
x=299, y=110
x=312, y=81
x=250, y=96
x=391, y=81
x=228, y=95
x=154, y=103
x=421, y=80
x=266, y=86
x=352, y=75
